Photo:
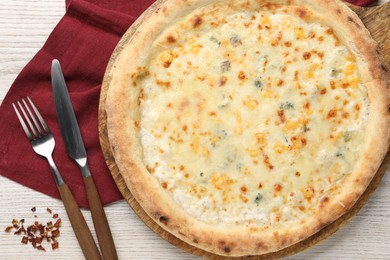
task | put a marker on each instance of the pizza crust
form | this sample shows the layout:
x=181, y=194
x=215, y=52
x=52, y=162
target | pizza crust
x=125, y=140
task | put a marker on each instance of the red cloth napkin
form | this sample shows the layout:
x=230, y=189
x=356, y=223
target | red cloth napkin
x=83, y=42
x=361, y=2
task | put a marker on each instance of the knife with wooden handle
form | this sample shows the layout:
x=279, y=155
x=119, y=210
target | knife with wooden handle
x=76, y=150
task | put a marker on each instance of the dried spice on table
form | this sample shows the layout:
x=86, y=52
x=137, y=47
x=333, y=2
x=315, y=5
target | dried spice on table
x=37, y=232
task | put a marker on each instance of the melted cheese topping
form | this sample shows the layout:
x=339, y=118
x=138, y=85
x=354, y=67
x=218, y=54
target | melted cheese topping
x=251, y=118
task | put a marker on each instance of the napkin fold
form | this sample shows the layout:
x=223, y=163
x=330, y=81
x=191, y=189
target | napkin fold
x=83, y=41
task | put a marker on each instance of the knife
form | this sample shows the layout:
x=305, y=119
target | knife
x=76, y=150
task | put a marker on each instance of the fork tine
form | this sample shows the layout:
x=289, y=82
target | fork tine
x=28, y=120
x=24, y=126
x=33, y=118
x=39, y=116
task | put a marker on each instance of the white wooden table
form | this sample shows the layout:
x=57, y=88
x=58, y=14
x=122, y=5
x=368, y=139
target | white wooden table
x=24, y=27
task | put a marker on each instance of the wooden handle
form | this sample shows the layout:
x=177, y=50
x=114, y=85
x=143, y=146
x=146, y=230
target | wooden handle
x=100, y=222
x=79, y=225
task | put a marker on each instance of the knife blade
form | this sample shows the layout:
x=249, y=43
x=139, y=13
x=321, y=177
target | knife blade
x=67, y=119
x=76, y=150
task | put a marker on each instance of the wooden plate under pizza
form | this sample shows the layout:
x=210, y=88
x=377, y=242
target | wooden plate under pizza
x=246, y=128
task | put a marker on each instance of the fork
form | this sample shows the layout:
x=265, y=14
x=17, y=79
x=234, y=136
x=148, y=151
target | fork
x=43, y=143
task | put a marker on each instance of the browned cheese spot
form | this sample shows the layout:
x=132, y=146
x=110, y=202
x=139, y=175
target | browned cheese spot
x=357, y=107
x=306, y=55
x=332, y=113
x=278, y=187
x=301, y=12
x=165, y=84
x=222, y=81
x=267, y=162
x=281, y=115
x=197, y=21
x=164, y=185
x=241, y=75
x=171, y=39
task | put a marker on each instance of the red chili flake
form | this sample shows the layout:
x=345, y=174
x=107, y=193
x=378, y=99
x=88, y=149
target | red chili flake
x=40, y=247
x=18, y=232
x=42, y=230
x=54, y=245
x=55, y=233
x=58, y=223
x=33, y=209
x=24, y=240
x=8, y=229
x=33, y=229
x=38, y=240
x=31, y=235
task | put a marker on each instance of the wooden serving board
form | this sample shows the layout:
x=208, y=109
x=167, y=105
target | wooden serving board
x=377, y=20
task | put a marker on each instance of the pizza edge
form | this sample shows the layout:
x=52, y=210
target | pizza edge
x=147, y=190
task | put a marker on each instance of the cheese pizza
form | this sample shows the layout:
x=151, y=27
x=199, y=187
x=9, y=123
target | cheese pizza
x=243, y=127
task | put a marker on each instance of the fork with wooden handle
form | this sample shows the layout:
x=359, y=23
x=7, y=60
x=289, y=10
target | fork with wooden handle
x=43, y=143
